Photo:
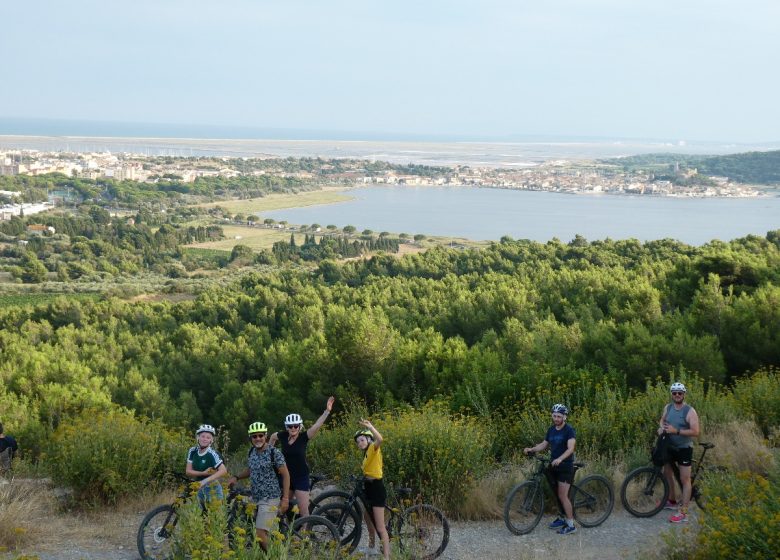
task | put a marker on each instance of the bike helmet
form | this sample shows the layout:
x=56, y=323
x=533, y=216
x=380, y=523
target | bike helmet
x=560, y=409
x=257, y=428
x=677, y=386
x=293, y=420
x=206, y=428
x=364, y=432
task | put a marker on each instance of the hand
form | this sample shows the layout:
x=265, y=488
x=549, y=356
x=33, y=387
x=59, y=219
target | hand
x=231, y=481
x=365, y=423
x=284, y=503
x=210, y=470
x=329, y=405
x=528, y=451
x=660, y=431
x=202, y=483
x=556, y=462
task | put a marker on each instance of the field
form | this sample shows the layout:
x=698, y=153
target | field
x=279, y=201
x=9, y=299
x=254, y=237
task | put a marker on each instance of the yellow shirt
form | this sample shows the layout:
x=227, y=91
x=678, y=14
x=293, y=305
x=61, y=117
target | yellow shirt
x=372, y=462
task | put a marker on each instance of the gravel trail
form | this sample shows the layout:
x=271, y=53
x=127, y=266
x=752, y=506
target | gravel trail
x=620, y=537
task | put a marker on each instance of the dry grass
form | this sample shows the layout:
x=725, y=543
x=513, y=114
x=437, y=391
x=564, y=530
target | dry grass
x=108, y=529
x=281, y=201
x=24, y=508
x=739, y=446
x=486, y=498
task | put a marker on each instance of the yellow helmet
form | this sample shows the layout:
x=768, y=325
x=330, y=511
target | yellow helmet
x=257, y=428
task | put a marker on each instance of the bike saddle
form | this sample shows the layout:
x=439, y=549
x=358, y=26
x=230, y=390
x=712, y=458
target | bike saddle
x=706, y=445
x=403, y=491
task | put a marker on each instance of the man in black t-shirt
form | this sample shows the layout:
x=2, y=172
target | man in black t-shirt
x=561, y=440
x=8, y=447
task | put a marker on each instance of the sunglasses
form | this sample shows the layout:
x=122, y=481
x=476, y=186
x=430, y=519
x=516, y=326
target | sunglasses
x=677, y=393
x=257, y=436
x=296, y=426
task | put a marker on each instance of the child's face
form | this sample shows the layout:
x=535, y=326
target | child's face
x=362, y=442
x=205, y=439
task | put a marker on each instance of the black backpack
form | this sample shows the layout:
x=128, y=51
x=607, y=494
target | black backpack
x=659, y=452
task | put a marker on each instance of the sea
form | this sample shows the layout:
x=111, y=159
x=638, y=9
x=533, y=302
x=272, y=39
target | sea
x=457, y=212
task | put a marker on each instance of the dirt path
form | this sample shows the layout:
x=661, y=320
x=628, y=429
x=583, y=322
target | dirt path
x=620, y=537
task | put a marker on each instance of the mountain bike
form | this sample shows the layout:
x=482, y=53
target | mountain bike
x=158, y=530
x=592, y=500
x=645, y=490
x=421, y=530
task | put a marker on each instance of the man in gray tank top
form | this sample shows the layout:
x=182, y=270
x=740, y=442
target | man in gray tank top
x=681, y=422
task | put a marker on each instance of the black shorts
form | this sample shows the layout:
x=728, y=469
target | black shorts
x=683, y=456
x=375, y=493
x=562, y=473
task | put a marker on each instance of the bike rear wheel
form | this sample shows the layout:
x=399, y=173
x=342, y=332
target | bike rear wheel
x=592, y=500
x=644, y=491
x=523, y=507
x=155, y=535
x=423, y=532
x=348, y=522
x=317, y=535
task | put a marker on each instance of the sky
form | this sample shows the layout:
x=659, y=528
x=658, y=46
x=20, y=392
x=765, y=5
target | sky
x=663, y=69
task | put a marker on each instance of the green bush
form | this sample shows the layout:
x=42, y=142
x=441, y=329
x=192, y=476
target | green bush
x=759, y=395
x=438, y=455
x=105, y=456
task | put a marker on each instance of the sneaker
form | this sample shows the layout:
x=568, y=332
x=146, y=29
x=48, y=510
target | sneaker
x=557, y=524
x=678, y=518
x=566, y=529
x=365, y=551
x=671, y=504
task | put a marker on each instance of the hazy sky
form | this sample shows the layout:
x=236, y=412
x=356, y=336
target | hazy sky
x=668, y=69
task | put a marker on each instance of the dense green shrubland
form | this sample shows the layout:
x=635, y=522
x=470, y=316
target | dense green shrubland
x=494, y=334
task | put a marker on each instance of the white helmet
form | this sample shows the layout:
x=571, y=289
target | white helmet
x=293, y=420
x=206, y=428
x=560, y=409
x=677, y=386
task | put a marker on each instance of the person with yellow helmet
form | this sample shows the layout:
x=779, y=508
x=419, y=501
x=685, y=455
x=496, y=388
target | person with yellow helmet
x=269, y=491
x=369, y=440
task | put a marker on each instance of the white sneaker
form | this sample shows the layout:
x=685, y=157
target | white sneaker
x=365, y=550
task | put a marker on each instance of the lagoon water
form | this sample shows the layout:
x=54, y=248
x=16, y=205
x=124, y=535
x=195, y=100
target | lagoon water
x=489, y=214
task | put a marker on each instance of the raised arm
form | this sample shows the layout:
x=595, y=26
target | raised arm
x=314, y=428
x=374, y=432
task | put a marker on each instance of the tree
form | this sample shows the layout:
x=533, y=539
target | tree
x=349, y=229
x=33, y=271
x=419, y=237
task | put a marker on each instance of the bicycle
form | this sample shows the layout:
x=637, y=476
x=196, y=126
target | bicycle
x=592, y=500
x=157, y=533
x=422, y=530
x=645, y=490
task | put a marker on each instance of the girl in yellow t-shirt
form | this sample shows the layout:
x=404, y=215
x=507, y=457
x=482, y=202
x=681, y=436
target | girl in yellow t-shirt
x=369, y=441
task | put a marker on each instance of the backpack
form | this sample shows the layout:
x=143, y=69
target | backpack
x=659, y=451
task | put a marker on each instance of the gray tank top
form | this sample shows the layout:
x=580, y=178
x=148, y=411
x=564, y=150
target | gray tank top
x=677, y=419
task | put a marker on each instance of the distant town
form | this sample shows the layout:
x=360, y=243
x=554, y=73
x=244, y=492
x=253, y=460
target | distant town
x=585, y=178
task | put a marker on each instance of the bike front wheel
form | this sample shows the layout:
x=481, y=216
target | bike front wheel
x=155, y=535
x=316, y=535
x=347, y=520
x=644, y=491
x=592, y=500
x=423, y=532
x=523, y=507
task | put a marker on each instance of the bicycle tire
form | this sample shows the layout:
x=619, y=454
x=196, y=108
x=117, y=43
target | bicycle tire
x=523, y=507
x=592, y=500
x=239, y=517
x=155, y=534
x=327, y=497
x=423, y=531
x=644, y=491
x=317, y=535
x=348, y=522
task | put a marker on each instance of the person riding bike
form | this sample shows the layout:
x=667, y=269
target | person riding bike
x=205, y=465
x=561, y=438
x=681, y=422
x=294, y=441
x=270, y=493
